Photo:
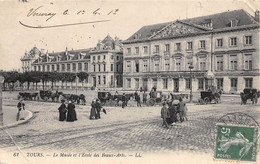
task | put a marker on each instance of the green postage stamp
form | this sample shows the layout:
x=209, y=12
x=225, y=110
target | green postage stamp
x=236, y=142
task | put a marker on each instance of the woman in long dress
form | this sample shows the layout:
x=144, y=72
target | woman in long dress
x=71, y=116
x=93, y=111
x=62, y=111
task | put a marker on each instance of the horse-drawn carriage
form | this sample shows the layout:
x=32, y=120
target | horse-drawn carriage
x=249, y=93
x=28, y=95
x=207, y=97
x=106, y=98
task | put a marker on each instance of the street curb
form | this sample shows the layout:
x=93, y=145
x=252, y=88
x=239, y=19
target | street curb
x=30, y=116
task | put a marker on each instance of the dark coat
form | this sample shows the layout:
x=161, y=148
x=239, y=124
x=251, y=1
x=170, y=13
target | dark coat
x=93, y=110
x=62, y=111
x=71, y=116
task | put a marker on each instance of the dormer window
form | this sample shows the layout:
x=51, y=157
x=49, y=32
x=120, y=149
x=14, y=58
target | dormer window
x=233, y=23
x=137, y=36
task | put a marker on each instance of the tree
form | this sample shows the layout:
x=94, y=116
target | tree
x=36, y=78
x=82, y=76
x=45, y=77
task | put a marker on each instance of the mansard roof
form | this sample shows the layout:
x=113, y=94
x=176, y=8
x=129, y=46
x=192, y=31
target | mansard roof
x=216, y=21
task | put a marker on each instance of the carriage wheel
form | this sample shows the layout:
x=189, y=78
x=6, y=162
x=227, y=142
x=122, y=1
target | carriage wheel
x=206, y=100
x=216, y=100
x=150, y=102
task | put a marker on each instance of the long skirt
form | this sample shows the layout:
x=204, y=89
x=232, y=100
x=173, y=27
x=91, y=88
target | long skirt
x=93, y=113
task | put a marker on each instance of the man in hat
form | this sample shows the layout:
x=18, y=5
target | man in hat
x=62, y=110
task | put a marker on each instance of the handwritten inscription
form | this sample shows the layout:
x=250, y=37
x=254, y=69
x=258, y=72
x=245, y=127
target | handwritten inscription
x=39, y=12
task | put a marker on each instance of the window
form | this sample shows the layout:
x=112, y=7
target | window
x=112, y=57
x=117, y=67
x=233, y=62
x=39, y=68
x=48, y=68
x=145, y=50
x=202, y=44
x=128, y=51
x=233, y=41
x=248, y=61
x=104, y=67
x=201, y=84
x=136, y=66
x=63, y=67
x=112, y=80
x=104, y=79
x=178, y=47
x=220, y=83
x=167, y=65
x=156, y=65
x=99, y=67
x=154, y=82
x=104, y=57
x=249, y=82
x=98, y=57
x=86, y=66
x=136, y=50
x=128, y=83
x=58, y=67
x=145, y=66
x=94, y=67
x=219, y=63
x=136, y=83
x=219, y=42
x=189, y=45
x=74, y=66
x=34, y=68
x=79, y=66
x=99, y=80
x=128, y=66
x=43, y=68
x=233, y=23
x=248, y=40
x=187, y=83
x=52, y=67
x=167, y=47
x=156, y=48
x=165, y=83
x=202, y=63
x=233, y=83
x=112, y=67
x=94, y=57
x=178, y=64
x=68, y=67
x=189, y=63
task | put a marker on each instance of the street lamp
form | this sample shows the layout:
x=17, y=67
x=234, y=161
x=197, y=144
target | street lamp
x=191, y=67
x=1, y=108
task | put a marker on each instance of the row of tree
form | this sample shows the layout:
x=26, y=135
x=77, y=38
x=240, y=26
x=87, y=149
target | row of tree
x=36, y=77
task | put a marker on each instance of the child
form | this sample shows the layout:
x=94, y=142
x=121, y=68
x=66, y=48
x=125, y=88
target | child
x=21, y=109
x=165, y=114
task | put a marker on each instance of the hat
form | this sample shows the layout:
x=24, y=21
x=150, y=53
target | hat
x=70, y=101
x=62, y=100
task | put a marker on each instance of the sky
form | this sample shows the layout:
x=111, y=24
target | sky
x=120, y=18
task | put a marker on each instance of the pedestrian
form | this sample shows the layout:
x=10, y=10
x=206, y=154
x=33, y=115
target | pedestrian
x=93, y=111
x=135, y=94
x=21, y=108
x=71, y=116
x=171, y=109
x=144, y=97
x=164, y=115
x=123, y=100
x=116, y=98
x=62, y=110
x=138, y=100
x=98, y=109
x=181, y=107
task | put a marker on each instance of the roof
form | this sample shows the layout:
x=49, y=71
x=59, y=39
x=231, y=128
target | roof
x=219, y=21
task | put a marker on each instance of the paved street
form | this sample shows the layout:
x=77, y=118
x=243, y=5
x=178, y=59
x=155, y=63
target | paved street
x=122, y=130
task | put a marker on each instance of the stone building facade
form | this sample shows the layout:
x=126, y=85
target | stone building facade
x=29, y=58
x=223, y=50
x=103, y=63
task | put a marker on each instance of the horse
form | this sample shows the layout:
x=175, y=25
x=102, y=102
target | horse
x=83, y=99
x=118, y=98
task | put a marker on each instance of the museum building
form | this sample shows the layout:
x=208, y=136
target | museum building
x=103, y=63
x=220, y=50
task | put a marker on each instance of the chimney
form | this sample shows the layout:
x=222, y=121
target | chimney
x=117, y=43
x=257, y=16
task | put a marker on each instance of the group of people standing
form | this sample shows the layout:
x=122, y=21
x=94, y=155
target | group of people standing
x=170, y=112
x=96, y=109
x=68, y=112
